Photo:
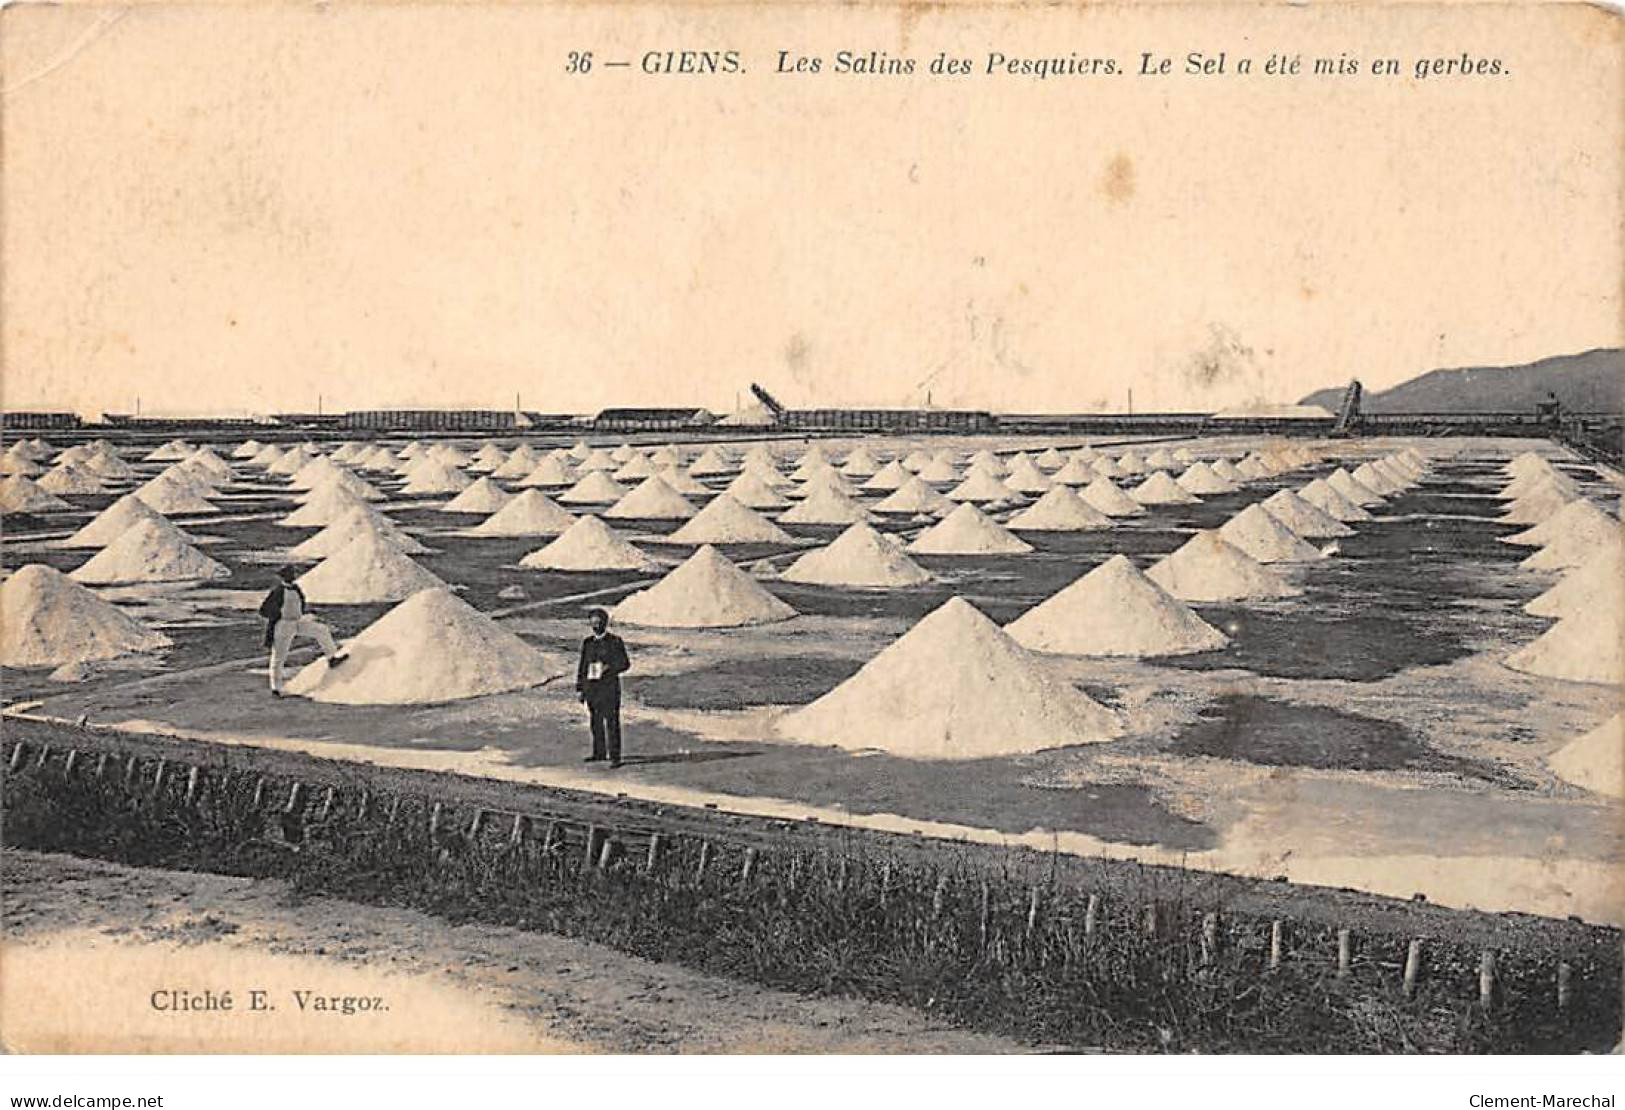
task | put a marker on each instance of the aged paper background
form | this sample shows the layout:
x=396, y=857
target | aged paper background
x=230, y=208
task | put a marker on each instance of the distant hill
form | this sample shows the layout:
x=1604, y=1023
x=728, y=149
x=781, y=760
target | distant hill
x=1593, y=381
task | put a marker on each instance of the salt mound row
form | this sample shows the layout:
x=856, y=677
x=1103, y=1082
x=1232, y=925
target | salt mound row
x=1596, y=761
x=1252, y=469
x=520, y=462
x=148, y=552
x=1598, y=581
x=725, y=520
x=916, y=460
x=205, y=458
x=706, y=591
x=487, y=458
x=1199, y=478
x=955, y=686
x=109, y=466
x=1130, y=462
x=532, y=513
x=683, y=482
x=70, y=478
x=1536, y=505
x=481, y=496
x=550, y=472
x=749, y=490
x=165, y=494
x=1227, y=470
x=589, y=545
x=665, y=457
x=597, y=488
x=1161, y=459
x=118, y=518
x=367, y=570
x=19, y=494
x=1263, y=538
x=1160, y=489
x=1302, y=517
x=712, y=461
x=1210, y=569
x=985, y=459
x=1114, y=610
x=635, y=469
x=598, y=459
x=1059, y=510
x=18, y=463
x=47, y=619
x=1076, y=472
x=652, y=500
x=1576, y=515
x=1376, y=481
x=432, y=647
x=1323, y=497
x=1576, y=544
x=351, y=524
x=434, y=476
x=940, y=470
x=325, y=506
x=913, y=496
x=1106, y=498
x=826, y=505
x=1025, y=477
x=1585, y=647
x=1352, y=488
x=966, y=531
x=860, y=557
x=450, y=455
x=1529, y=483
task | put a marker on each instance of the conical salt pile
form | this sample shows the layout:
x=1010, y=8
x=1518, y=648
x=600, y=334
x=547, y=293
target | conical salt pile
x=706, y=591
x=859, y=557
x=488, y=458
x=662, y=457
x=913, y=496
x=597, y=488
x=47, y=619
x=1104, y=497
x=115, y=520
x=1252, y=469
x=767, y=474
x=23, y=495
x=1323, y=497
x=1596, y=761
x=1199, y=478
x=247, y=449
x=1537, y=505
x=679, y=479
x=550, y=472
x=109, y=466
x=826, y=479
x=1226, y=469
x=588, y=545
x=1303, y=518
x=713, y=460
x=955, y=686
x=317, y=472
x=580, y=451
x=367, y=570
x=70, y=478
x=859, y=463
x=749, y=489
x=206, y=458
x=1262, y=537
x=1161, y=459
x=1526, y=484
x=1160, y=489
x=825, y=504
x=1059, y=510
x=940, y=470
x=1376, y=481
x=1050, y=459
x=531, y=513
x=635, y=469
x=172, y=451
x=652, y=500
x=1209, y=569
x=725, y=520
x=1576, y=544
x=894, y=475
x=520, y=462
x=598, y=459
x=1585, y=647
x=17, y=463
x=1076, y=472
x=1025, y=477
x=483, y=496
x=1114, y=610
x=1577, y=515
x=1525, y=463
x=358, y=520
x=148, y=552
x=166, y=494
x=449, y=455
x=1353, y=489
x=916, y=460
x=988, y=461
x=288, y=463
x=432, y=647
x=967, y=531
x=1184, y=456
x=323, y=507
x=266, y=456
x=1600, y=580
x=433, y=476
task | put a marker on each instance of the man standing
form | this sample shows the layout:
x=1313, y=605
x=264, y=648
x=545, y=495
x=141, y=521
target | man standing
x=285, y=616
x=598, y=683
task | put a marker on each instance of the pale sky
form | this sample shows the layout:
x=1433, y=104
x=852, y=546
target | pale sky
x=236, y=209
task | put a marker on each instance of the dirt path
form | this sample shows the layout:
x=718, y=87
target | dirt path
x=77, y=930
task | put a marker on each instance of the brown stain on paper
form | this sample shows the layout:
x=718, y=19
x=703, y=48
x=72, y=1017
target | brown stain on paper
x=1118, y=183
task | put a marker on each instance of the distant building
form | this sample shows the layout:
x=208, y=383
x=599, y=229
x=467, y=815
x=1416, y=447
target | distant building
x=33, y=421
x=652, y=420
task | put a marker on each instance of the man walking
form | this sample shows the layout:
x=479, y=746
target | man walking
x=286, y=616
x=598, y=683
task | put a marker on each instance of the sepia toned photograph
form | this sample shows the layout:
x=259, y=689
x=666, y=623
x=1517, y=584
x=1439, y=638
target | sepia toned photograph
x=780, y=529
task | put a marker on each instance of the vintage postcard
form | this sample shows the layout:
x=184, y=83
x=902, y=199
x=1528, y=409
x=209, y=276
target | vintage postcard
x=810, y=528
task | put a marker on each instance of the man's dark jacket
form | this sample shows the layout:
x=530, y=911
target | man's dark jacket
x=611, y=652
x=271, y=607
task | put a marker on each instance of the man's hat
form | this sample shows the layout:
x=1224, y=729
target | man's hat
x=287, y=572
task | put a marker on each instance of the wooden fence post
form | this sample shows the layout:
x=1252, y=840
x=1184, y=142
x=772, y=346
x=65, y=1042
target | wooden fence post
x=606, y=852
x=158, y=776
x=101, y=765
x=434, y=820
x=1091, y=916
x=68, y=764
x=885, y=881
x=1210, y=937
x=1345, y=953
x=982, y=918
x=938, y=896
x=327, y=804
x=595, y=840
x=1032, y=912
x=516, y=835
x=1275, y=945
x=1486, y=980
x=394, y=810
x=475, y=825
x=705, y=860
x=550, y=839
x=191, y=784
x=652, y=860
x=363, y=804
x=1413, y=966
x=295, y=795
x=1151, y=919
x=132, y=767
x=1565, y=989
x=17, y=752
x=749, y=866
x=841, y=875
x=259, y=793
x=45, y=757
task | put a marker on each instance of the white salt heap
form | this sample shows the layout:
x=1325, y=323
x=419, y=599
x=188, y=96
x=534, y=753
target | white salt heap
x=725, y=520
x=598, y=459
x=1104, y=497
x=449, y=455
x=520, y=462
x=1210, y=569
x=1050, y=459
x=109, y=466
x=859, y=557
x=967, y=531
x=358, y=520
x=1525, y=484
x=1226, y=469
x=1599, y=580
x=168, y=494
x=1059, y=510
x=19, y=494
x=70, y=478
x=635, y=469
x=940, y=469
x=1076, y=472
x=483, y=496
x=985, y=459
x=1352, y=488
x=247, y=449
x=1025, y=477
x=913, y=496
x=1584, y=647
x=148, y=552
x=113, y=521
x=532, y=513
x=550, y=472
x=1130, y=462
x=826, y=504
x=1265, y=539
x=1115, y=610
x=325, y=506
x=1577, y=515
x=1376, y=481
x=706, y=591
x=684, y=482
x=367, y=570
x=1537, y=504
x=597, y=488
x=432, y=647
x=955, y=686
x=1161, y=459
x=1302, y=517
x=434, y=476
x=748, y=489
x=1595, y=761
x=1323, y=497
x=589, y=545
x=1199, y=478
x=487, y=458
x=1160, y=489
x=652, y=500
x=47, y=619
x=712, y=461
x=1575, y=544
